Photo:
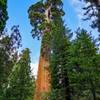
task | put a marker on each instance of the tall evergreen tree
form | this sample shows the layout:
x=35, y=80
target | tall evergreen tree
x=21, y=83
x=3, y=14
x=8, y=55
x=84, y=68
x=41, y=16
x=59, y=62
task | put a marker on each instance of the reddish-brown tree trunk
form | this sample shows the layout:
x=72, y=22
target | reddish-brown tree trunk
x=43, y=78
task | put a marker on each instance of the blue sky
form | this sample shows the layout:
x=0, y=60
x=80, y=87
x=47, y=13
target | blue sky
x=17, y=12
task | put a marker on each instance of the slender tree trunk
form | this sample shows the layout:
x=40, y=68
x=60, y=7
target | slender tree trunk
x=67, y=89
x=93, y=89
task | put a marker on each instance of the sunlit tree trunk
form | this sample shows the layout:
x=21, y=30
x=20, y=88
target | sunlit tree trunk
x=43, y=77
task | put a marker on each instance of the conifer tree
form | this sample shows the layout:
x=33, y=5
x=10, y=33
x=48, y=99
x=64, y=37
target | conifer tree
x=84, y=67
x=3, y=14
x=59, y=62
x=8, y=55
x=21, y=83
x=41, y=16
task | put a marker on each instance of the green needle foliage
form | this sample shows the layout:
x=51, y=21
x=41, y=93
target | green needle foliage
x=59, y=62
x=74, y=67
x=54, y=39
x=8, y=55
x=21, y=83
x=3, y=14
x=38, y=17
x=84, y=68
x=41, y=16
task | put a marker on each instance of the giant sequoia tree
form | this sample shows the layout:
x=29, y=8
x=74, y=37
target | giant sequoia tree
x=41, y=15
x=3, y=14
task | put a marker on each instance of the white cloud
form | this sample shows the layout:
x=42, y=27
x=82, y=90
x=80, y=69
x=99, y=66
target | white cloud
x=75, y=2
x=87, y=4
x=34, y=68
x=78, y=9
x=79, y=13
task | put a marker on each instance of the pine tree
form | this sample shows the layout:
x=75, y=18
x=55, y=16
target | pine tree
x=84, y=67
x=21, y=83
x=3, y=14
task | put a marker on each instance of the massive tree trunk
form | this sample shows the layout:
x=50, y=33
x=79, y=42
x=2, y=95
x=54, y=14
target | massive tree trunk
x=43, y=78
